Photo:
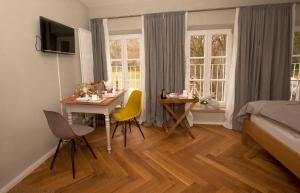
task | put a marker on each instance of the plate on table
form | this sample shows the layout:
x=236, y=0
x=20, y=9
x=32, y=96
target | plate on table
x=82, y=99
x=95, y=101
x=109, y=95
x=172, y=95
x=183, y=96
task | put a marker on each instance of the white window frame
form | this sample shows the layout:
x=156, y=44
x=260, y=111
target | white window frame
x=296, y=29
x=124, y=59
x=207, y=59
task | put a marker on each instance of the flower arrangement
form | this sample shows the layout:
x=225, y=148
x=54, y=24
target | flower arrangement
x=203, y=101
x=209, y=102
x=90, y=88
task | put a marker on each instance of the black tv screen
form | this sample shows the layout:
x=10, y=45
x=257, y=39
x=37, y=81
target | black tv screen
x=56, y=37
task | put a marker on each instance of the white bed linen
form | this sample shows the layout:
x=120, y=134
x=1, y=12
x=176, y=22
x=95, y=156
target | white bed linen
x=281, y=132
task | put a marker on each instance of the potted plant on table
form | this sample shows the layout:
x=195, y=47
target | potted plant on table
x=203, y=102
x=209, y=102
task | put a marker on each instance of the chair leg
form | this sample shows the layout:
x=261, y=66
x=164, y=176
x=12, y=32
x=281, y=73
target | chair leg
x=90, y=148
x=72, y=156
x=125, y=132
x=56, y=152
x=139, y=127
x=129, y=123
x=115, y=130
x=75, y=148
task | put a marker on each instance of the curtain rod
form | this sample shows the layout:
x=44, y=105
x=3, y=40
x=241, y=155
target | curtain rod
x=194, y=10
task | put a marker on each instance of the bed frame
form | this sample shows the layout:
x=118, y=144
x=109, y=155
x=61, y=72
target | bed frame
x=287, y=156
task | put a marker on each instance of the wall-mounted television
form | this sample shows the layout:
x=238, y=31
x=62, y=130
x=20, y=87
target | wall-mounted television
x=56, y=37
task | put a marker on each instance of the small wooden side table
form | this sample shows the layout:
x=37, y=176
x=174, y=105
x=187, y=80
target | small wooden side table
x=170, y=101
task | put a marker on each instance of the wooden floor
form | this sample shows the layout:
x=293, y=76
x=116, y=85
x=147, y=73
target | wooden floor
x=215, y=161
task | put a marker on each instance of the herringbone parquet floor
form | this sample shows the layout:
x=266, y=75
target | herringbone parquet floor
x=215, y=161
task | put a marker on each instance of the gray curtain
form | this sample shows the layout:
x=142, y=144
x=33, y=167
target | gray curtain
x=99, y=55
x=164, y=59
x=264, y=55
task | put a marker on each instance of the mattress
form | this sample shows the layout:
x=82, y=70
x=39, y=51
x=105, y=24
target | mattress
x=281, y=132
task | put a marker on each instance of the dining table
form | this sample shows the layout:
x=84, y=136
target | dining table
x=104, y=106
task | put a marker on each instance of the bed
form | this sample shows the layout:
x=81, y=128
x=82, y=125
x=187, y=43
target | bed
x=272, y=133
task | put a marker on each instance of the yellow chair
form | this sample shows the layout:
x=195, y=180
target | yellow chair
x=129, y=113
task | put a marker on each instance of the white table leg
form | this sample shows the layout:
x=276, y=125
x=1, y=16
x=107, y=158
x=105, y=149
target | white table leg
x=107, y=126
x=70, y=121
x=94, y=121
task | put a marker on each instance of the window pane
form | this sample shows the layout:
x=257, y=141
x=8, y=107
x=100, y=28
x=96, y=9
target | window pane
x=295, y=59
x=217, y=88
x=218, y=68
x=117, y=74
x=133, y=48
x=197, y=46
x=217, y=71
x=138, y=84
x=294, y=89
x=196, y=68
x=296, y=50
x=197, y=87
x=115, y=49
x=116, y=63
x=218, y=45
x=295, y=71
x=134, y=68
x=133, y=63
x=295, y=68
x=134, y=74
x=197, y=61
x=196, y=71
x=218, y=61
x=131, y=85
x=192, y=72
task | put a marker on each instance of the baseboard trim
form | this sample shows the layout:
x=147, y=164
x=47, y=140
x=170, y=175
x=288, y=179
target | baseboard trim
x=207, y=123
x=27, y=171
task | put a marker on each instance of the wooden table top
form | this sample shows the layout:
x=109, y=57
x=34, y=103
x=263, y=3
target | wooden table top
x=178, y=100
x=107, y=101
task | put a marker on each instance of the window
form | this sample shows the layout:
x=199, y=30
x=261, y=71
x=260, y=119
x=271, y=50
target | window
x=125, y=58
x=295, y=75
x=208, y=56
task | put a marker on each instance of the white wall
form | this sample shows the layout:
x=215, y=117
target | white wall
x=208, y=117
x=129, y=25
x=108, y=8
x=29, y=81
x=218, y=19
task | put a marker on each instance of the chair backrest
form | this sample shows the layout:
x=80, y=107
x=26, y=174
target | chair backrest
x=58, y=125
x=134, y=104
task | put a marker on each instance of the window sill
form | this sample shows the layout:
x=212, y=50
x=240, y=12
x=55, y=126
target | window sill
x=203, y=110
